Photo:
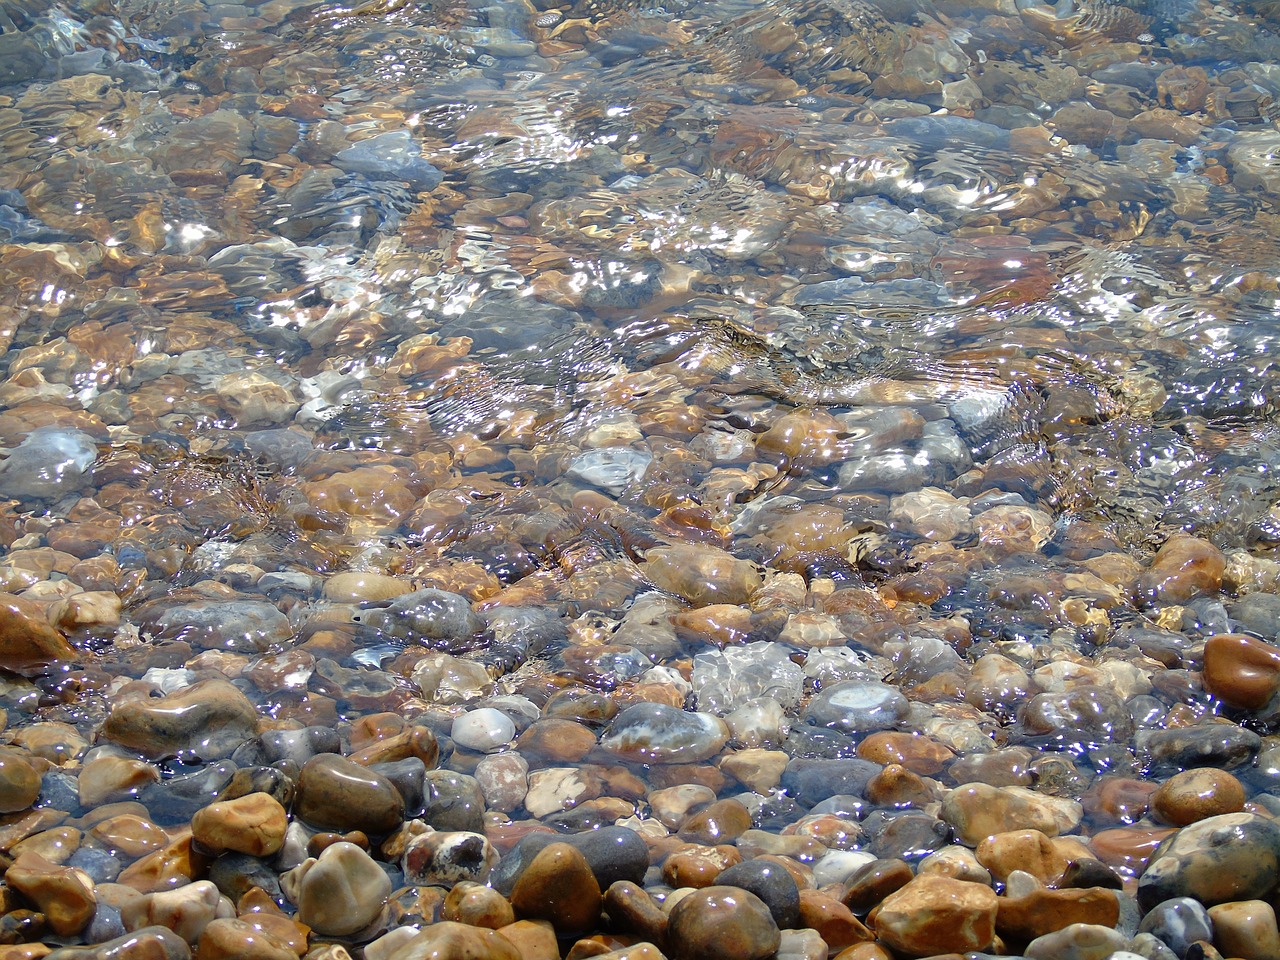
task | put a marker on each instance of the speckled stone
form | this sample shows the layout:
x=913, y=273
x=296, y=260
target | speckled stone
x=1178, y=923
x=934, y=915
x=657, y=733
x=446, y=857
x=722, y=923
x=1235, y=856
x=1080, y=941
x=1196, y=794
x=977, y=811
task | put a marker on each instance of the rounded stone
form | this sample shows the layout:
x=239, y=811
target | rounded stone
x=1178, y=923
x=340, y=893
x=771, y=883
x=254, y=824
x=934, y=915
x=722, y=923
x=558, y=886
x=477, y=905
x=1235, y=856
x=231, y=938
x=1246, y=929
x=858, y=706
x=1241, y=671
x=1079, y=941
x=657, y=733
x=336, y=794
x=208, y=719
x=483, y=730
x=449, y=940
x=19, y=783
x=976, y=811
x=1196, y=794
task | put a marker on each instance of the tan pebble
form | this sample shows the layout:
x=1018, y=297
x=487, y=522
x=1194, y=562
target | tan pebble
x=1045, y=911
x=27, y=641
x=935, y=915
x=556, y=741
x=186, y=910
x=702, y=574
x=55, y=845
x=353, y=587
x=174, y=865
x=63, y=894
x=130, y=835
x=637, y=951
x=977, y=811
x=254, y=824
x=19, y=783
x=896, y=786
x=212, y=717
x=58, y=743
x=1184, y=568
x=477, y=905
x=339, y=893
x=1030, y=850
x=27, y=825
x=1246, y=929
x=533, y=939
x=956, y=862
x=89, y=609
x=25, y=951
x=759, y=770
x=673, y=805
x=447, y=940
x=106, y=778
x=558, y=886
x=229, y=938
x=1192, y=795
x=864, y=951
x=289, y=932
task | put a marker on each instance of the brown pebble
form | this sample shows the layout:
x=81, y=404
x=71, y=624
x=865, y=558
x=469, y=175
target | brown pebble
x=632, y=910
x=1192, y=795
x=933, y=915
x=254, y=824
x=1184, y=568
x=869, y=885
x=1045, y=858
x=1241, y=671
x=695, y=865
x=1118, y=799
x=551, y=741
x=919, y=754
x=864, y=951
x=1043, y=911
x=1128, y=848
x=558, y=886
x=232, y=939
x=478, y=905
x=834, y=922
x=722, y=923
x=19, y=783
x=896, y=786
x=722, y=822
x=63, y=894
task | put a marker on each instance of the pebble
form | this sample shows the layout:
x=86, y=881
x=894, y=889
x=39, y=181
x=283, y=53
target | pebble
x=208, y=720
x=444, y=858
x=1193, y=795
x=50, y=462
x=483, y=729
x=1245, y=929
x=722, y=923
x=339, y=893
x=976, y=811
x=19, y=783
x=477, y=905
x=935, y=915
x=1234, y=856
x=231, y=937
x=1241, y=671
x=1080, y=941
x=559, y=886
x=186, y=910
x=857, y=707
x=657, y=733
x=448, y=940
x=27, y=642
x=1178, y=923
x=336, y=794
x=254, y=824
x=1042, y=911
x=63, y=894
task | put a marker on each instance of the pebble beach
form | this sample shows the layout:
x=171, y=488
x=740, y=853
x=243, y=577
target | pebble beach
x=726, y=480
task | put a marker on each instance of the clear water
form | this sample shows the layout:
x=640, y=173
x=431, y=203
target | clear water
x=537, y=288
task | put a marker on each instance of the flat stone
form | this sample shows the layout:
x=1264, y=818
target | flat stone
x=977, y=811
x=19, y=783
x=28, y=644
x=63, y=894
x=1080, y=941
x=185, y=910
x=657, y=733
x=1044, y=911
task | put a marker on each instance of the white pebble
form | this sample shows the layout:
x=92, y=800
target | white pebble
x=483, y=730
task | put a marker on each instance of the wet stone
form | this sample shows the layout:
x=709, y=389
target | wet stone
x=656, y=733
x=935, y=915
x=1196, y=794
x=453, y=801
x=483, y=729
x=857, y=707
x=447, y=857
x=340, y=893
x=1246, y=929
x=1079, y=941
x=1178, y=923
x=775, y=887
x=336, y=794
x=1205, y=745
x=253, y=824
x=208, y=720
x=558, y=885
x=1219, y=859
x=49, y=463
x=813, y=780
x=19, y=784
x=725, y=923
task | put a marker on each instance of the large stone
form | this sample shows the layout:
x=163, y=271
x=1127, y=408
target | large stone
x=934, y=915
x=1044, y=911
x=1241, y=671
x=977, y=811
x=63, y=894
x=657, y=733
x=207, y=720
x=558, y=886
x=335, y=793
x=340, y=893
x=1235, y=856
x=254, y=824
x=28, y=644
x=722, y=923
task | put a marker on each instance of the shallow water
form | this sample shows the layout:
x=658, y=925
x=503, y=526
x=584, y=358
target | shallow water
x=923, y=332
